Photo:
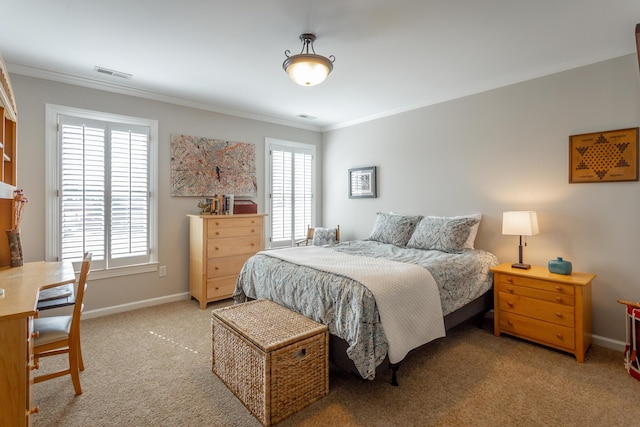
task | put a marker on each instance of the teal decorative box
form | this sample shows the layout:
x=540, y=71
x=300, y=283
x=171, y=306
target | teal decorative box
x=559, y=266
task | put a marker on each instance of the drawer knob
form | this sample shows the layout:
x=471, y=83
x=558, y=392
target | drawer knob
x=510, y=290
x=509, y=279
x=559, y=299
x=559, y=315
x=252, y=244
x=35, y=334
x=217, y=233
x=35, y=366
x=216, y=268
x=34, y=410
x=510, y=304
x=559, y=288
x=216, y=248
x=559, y=336
x=509, y=322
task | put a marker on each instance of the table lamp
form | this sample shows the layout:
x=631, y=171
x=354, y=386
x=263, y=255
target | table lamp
x=520, y=223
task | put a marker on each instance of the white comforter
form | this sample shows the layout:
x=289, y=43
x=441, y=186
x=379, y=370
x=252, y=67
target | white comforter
x=407, y=296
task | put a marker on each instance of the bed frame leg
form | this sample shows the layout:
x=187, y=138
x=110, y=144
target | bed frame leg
x=394, y=374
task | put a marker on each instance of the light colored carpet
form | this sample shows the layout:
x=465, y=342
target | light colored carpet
x=152, y=367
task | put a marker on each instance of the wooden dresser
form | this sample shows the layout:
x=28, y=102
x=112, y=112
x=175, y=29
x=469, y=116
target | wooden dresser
x=219, y=246
x=543, y=307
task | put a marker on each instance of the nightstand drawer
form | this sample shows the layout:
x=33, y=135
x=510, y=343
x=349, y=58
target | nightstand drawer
x=543, y=285
x=565, y=298
x=537, y=330
x=538, y=309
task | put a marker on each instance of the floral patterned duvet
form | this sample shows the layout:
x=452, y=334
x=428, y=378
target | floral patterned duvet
x=347, y=307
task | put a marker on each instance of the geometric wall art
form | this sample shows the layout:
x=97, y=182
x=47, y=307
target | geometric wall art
x=202, y=167
x=604, y=156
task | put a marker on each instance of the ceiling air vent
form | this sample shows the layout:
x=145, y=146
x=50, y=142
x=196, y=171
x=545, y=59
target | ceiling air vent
x=113, y=73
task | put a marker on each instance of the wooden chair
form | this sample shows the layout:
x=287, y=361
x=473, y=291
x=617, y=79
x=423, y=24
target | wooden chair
x=61, y=335
x=310, y=233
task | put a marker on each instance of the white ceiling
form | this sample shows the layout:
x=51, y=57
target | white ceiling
x=391, y=56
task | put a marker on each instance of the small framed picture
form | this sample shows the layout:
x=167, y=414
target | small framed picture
x=362, y=182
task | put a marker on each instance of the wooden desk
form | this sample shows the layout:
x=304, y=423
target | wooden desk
x=17, y=309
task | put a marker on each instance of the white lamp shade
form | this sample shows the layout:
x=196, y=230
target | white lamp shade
x=520, y=223
x=307, y=69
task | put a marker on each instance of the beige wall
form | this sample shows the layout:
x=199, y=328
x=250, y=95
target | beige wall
x=31, y=96
x=507, y=149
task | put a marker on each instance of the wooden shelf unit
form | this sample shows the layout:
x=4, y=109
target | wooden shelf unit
x=8, y=154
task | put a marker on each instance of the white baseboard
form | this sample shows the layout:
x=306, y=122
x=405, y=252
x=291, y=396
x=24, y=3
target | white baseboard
x=134, y=305
x=608, y=343
x=597, y=339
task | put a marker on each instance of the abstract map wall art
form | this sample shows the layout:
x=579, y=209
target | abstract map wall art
x=205, y=167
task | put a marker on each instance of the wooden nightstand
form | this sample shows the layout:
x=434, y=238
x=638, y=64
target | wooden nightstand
x=543, y=307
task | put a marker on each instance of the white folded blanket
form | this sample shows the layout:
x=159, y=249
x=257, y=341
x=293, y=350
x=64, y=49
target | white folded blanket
x=406, y=295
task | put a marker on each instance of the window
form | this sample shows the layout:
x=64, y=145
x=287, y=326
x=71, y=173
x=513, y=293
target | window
x=101, y=171
x=290, y=186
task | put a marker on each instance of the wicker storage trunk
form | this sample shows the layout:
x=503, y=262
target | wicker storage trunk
x=273, y=359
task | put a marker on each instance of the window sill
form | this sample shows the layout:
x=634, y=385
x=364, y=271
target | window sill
x=124, y=271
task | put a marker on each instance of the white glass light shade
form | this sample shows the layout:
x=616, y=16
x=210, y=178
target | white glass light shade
x=520, y=223
x=307, y=69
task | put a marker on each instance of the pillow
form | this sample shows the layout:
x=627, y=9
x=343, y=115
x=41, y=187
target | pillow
x=393, y=228
x=446, y=234
x=324, y=236
x=470, y=243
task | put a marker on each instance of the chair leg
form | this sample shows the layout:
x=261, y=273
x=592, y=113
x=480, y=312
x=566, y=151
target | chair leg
x=80, y=360
x=74, y=368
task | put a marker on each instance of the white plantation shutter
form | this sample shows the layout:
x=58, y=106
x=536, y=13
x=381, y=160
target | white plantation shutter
x=104, y=191
x=129, y=193
x=291, y=202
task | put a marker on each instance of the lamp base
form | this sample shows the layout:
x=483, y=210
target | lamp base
x=521, y=266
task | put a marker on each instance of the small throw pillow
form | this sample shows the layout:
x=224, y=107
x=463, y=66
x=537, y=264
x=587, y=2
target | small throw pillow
x=324, y=236
x=442, y=234
x=470, y=243
x=393, y=228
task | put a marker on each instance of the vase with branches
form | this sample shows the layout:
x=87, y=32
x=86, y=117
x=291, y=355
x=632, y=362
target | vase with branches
x=15, y=245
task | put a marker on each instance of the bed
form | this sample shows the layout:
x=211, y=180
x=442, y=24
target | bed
x=383, y=297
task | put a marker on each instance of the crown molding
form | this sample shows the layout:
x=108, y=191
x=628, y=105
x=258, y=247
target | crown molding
x=154, y=96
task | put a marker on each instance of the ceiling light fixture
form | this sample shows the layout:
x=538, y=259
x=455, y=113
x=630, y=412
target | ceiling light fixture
x=307, y=69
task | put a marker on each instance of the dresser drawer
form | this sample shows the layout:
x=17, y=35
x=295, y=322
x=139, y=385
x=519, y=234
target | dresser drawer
x=222, y=232
x=226, y=222
x=225, y=266
x=556, y=297
x=531, y=307
x=537, y=330
x=535, y=284
x=233, y=246
x=221, y=287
